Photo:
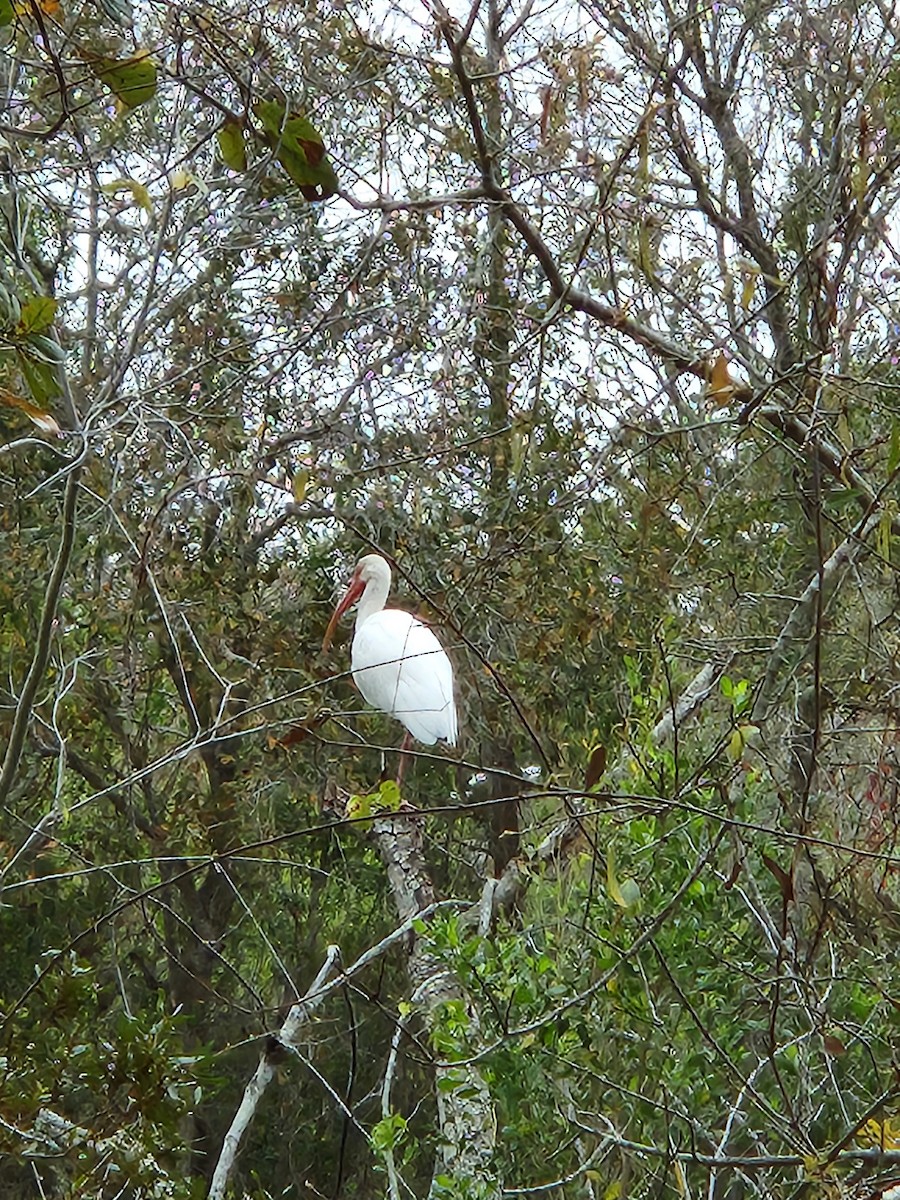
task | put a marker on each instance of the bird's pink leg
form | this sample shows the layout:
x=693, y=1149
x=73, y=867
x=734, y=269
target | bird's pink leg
x=405, y=756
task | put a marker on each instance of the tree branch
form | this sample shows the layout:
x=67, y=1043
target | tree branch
x=265, y=1073
x=798, y=624
x=289, y=1032
x=44, y=635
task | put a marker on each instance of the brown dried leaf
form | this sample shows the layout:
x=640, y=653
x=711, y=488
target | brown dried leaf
x=785, y=878
x=721, y=385
x=595, y=768
x=44, y=420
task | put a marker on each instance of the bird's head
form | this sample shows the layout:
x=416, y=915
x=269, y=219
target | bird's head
x=370, y=569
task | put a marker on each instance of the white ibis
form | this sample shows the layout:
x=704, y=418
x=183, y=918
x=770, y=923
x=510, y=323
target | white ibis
x=397, y=662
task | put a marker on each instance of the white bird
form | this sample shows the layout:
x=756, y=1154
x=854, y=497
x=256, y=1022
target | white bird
x=397, y=662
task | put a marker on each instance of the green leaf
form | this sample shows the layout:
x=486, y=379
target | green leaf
x=389, y=1132
x=884, y=531
x=131, y=80
x=359, y=808
x=627, y=893
x=299, y=148
x=41, y=379
x=894, y=452
x=45, y=349
x=231, y=145
x=388, y=796
x=37, y=315
x=6, y=12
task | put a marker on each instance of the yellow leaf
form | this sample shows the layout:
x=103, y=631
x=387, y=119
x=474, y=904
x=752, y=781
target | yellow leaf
x=721, y=385
x=859, y=179
x=299, y=485
x=139, y=193
x=680, y=1179
x=885, y=1135
x=748, y=291
x=742, y=737
x=646, y=250
x=643, y=142
x=890, y=1130
x=387, y=798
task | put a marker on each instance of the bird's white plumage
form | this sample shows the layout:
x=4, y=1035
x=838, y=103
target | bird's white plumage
x=400, y=667
x=397, y=662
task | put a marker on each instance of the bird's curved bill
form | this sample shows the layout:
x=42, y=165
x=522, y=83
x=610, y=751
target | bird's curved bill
x=349, y=598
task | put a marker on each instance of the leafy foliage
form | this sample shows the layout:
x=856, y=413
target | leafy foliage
x=588, y=322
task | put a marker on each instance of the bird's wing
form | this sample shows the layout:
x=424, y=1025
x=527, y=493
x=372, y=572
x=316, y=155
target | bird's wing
x=400, y=667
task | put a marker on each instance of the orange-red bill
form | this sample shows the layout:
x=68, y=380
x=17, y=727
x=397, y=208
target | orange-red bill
x=352, y=594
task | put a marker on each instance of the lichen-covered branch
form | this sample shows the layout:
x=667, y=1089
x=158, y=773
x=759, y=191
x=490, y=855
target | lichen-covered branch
x=466, y=1120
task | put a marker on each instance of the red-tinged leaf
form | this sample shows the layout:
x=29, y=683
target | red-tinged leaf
x=833, y=1045
x=299, y=147
x=300, y=732
x=314, y=151
x=546, y=103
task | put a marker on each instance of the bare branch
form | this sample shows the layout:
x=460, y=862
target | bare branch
x=265, y=1073
x=799, y=625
